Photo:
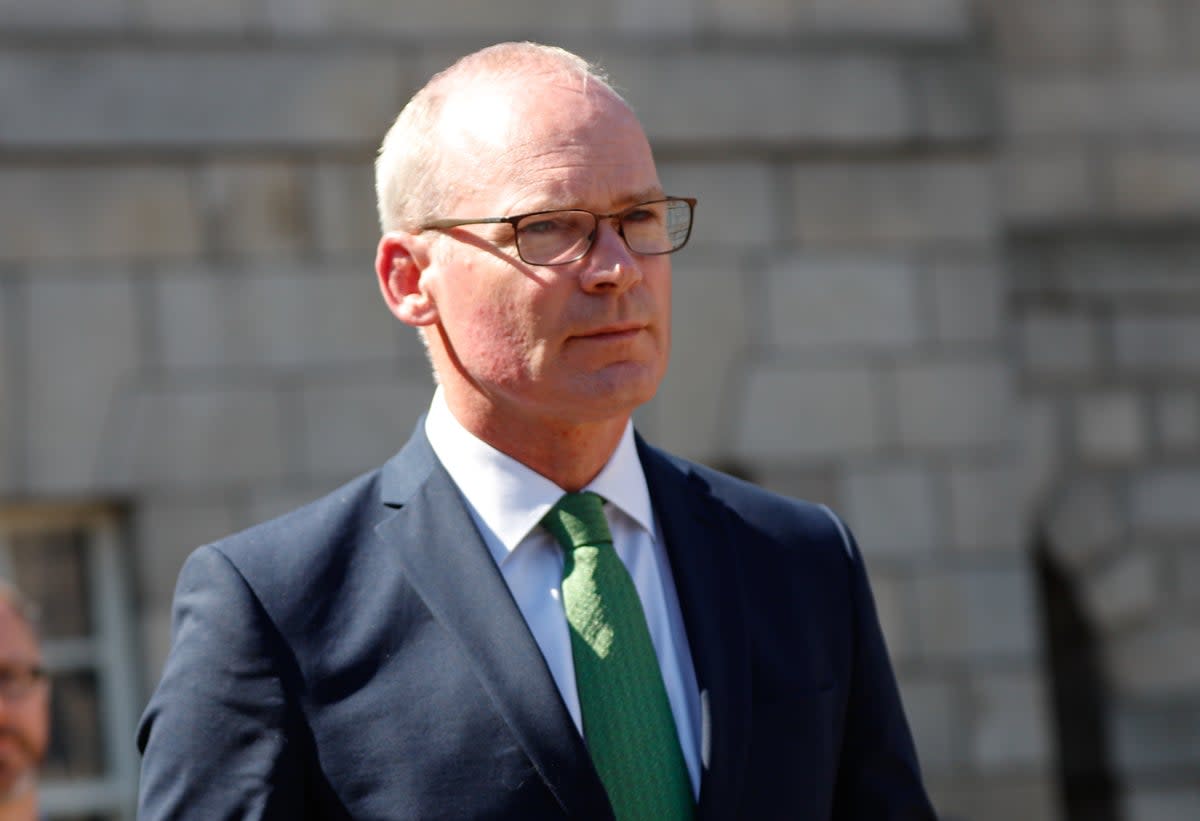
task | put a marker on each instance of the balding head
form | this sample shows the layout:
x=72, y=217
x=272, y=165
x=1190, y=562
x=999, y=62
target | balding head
x=412, y=182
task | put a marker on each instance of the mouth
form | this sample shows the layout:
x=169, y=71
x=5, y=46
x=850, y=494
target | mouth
x=620, y=331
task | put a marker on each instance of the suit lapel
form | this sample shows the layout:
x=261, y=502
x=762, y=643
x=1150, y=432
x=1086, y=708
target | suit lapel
x=451, y=569
x=704, y=566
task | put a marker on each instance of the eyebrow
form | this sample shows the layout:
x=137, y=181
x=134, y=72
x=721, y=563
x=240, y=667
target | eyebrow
x=645, y=195
x=654, y=192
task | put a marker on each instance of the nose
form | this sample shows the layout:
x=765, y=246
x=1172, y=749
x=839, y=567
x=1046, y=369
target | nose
x=610, y=267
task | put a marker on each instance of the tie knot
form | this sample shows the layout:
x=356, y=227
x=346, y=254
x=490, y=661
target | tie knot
x=577, y=520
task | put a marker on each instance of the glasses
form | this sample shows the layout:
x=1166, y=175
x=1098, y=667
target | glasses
x=18, y=680
x=567, y=235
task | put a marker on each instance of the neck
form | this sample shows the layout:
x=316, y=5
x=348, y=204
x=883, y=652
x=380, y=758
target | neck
x=568, y=454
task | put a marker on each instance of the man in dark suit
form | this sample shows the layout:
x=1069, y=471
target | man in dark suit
x=528, y=612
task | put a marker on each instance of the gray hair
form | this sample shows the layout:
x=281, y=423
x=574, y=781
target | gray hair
x=410, y=187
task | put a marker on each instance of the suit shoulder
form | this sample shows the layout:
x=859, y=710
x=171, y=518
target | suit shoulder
x=785, y=519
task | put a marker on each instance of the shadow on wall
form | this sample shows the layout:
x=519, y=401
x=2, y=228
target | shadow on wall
x=1079, y=695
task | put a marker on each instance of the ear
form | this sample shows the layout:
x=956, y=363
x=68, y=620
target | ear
x=399, y=262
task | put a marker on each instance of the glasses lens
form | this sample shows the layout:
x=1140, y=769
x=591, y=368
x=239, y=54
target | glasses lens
x=18, y=681
x=555, y=236
x=657, y=227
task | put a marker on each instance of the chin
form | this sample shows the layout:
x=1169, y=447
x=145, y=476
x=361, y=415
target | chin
x=624, y=395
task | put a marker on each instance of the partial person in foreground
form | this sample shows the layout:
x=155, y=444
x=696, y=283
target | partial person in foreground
x=529, y=612
x=24, y=708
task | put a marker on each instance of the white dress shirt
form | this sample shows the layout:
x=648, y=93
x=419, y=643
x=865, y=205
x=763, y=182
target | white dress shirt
x=507, y=500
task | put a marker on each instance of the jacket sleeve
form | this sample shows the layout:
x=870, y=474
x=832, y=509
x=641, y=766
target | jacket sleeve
x=878, y=775
x=219, y=737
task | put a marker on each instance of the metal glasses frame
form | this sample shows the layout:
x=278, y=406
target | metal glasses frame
x=617, y=215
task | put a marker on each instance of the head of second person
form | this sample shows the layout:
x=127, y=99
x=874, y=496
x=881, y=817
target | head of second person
x=24, y=702
x=518, y=347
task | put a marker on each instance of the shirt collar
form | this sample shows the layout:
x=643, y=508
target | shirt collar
x=511, y=498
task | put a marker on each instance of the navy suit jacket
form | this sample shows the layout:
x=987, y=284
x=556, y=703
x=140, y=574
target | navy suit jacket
x=362, y=658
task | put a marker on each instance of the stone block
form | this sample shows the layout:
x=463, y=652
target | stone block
x=65, y=15
x=1029, y=797
x=1166, y=498
x=1149, y=343
x=1086, y=521
x=184, y=17
x=167, y=530
x=1087, y=269
x=673, y=95
x=1047, y=183
x=956, y=98
x=1010, y=722
x=893, y=203
x=352, y=424
x=1041, y=451
x=1177, y=421
x=736, y=209
x=807, y=412
x=291, y=17
x=470, y=19
x=1158, y=103
x=1184, y=574
x=1161, y=803
x=1056, y=345
x=937, y=19
x=1155, y=661
x=202, y=435
x=935, y=716
x=1063, y=33
x=808, y=483
x=1151, y=736
x=1111, y=427
x=1069, y=103
x=1155, y=183
x=81, y=353
x=693, y=409
x=344, y=210
x=954, y=404
x=257, y=209
x=820, y=301
x=1147, y=32
x=986, y=508
x=292, y=316
x=97, y=213
x=129, y=98
x=1124, y=592
x=667, y=18
x=12, y=350
x=977, y=613
x=967, y=297
x=759, y=17
x=893, y=508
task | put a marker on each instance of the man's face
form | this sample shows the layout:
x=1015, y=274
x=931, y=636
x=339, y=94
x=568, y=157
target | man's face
x=24, y=714
x=574, y=343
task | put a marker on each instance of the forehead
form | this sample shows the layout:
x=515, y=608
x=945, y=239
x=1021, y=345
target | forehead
x=17, y=641
x=549, y=141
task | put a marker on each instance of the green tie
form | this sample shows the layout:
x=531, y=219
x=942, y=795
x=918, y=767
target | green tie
x=626, y=716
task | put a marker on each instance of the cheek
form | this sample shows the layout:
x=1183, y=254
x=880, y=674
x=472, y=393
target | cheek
x=36, y=720
x=500, y=331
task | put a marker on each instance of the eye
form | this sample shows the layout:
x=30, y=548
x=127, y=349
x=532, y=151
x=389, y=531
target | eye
x=643, y=215
x=543, y=225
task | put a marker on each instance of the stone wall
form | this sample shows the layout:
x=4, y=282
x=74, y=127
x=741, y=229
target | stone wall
x=1101, y=205
x=940, y=280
